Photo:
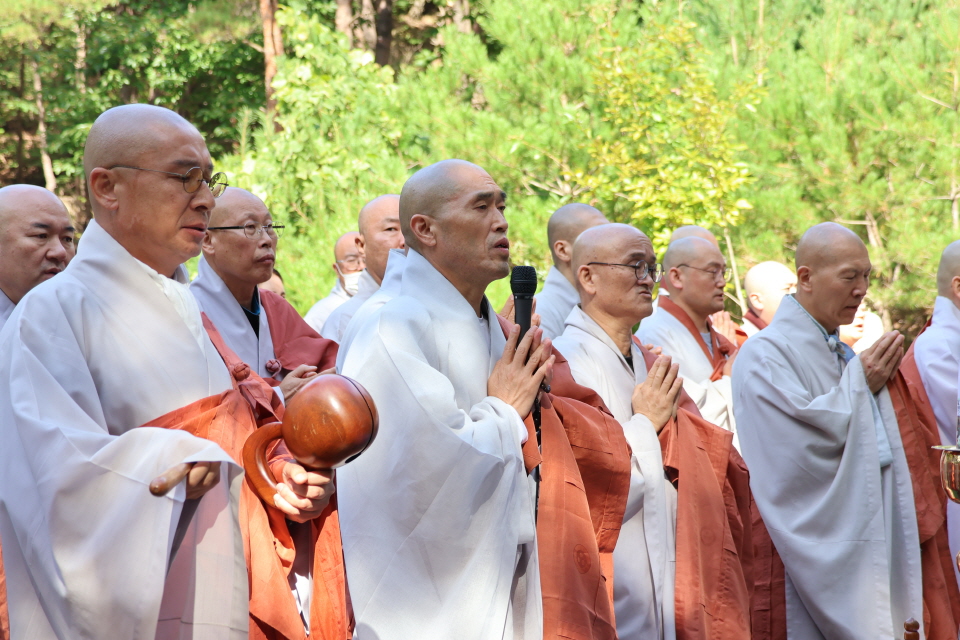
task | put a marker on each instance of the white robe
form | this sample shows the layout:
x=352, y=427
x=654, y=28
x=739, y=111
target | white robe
x=749, y=328
x=437, y=517
x=830, y=478
x=555, y=301
x=645, y=558
x=337, y=321
x=86, y=357
x=389, y=289
x=713, y=398
x=320, y=311
x=228, y=317
x=6, y=308
x=937, y=352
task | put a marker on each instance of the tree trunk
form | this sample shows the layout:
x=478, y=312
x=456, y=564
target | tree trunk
x=368, y=30
x=272, y=48
x=20, y=121
x=49, y=178
x=384, y=32
x=344, y=20
x=80, y=63
x=461, y=16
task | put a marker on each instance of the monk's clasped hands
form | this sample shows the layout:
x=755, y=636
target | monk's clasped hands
x=516, y=379
x=200, y=477
x=302, y=495
x=296, y=379
x=882, y=360
x=658, y=396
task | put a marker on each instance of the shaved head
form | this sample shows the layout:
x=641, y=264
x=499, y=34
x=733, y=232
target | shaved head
x=688, y=250
x=379, y=224
x=565, y=226
x=232, y=203
x=765, y=285
x=610, y=292
x=693, y=231
x=948, y=270
x=36, y=238
x=833, y=273
x=346, y=245
x=693, y=273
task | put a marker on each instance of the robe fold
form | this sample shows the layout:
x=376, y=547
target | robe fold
x=701, y=366
x=437, y=516
x=584, y=481
x=555, y=301
x=269, y=548
x=712, y=579
x=337, y=321
x=85, y=358
x=6, y=308
x=322, y=309
x=389, y=289
x=284, y=341
x=831, y=476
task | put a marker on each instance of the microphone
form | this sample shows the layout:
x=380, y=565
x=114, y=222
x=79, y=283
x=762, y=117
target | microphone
x=523, y=284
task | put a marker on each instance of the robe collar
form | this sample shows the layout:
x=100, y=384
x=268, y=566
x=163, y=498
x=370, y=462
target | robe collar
x=755, y=320
x=6, y=308
x=722, y=348
x=579, y=319
x=844, y=353
x=945, y=313
x=393, y=275
x=557, y=283
x=231, y=321
x=367, y=285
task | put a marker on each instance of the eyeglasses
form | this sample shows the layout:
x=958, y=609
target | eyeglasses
x=352, y=262
x=254, y=230
x=191, y=179
x=716, y=273
x=640, y=269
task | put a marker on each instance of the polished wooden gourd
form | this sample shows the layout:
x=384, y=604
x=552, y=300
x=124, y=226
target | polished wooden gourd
x=328, y=423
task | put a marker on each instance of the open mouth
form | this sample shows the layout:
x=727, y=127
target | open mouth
x=503, y=244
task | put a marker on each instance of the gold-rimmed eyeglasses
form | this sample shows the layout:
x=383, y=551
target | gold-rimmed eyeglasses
x=191, y=180
x=641, y=269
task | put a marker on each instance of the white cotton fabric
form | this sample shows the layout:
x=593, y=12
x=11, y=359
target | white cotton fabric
x=843, y=522
x=937, y=352
x=228, y=317
x=749, y=328
x=555, y=301
x=437, y=517
x=337, y=321
x=714, y=399
x=389, y=289
x=320, y=311
x=645, y=566
x=84, y=359
x=6, y=308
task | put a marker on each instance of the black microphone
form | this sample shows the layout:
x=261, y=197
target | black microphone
x=523, y=284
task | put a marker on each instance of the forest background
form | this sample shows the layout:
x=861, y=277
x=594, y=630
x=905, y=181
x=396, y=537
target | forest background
x=756, y=118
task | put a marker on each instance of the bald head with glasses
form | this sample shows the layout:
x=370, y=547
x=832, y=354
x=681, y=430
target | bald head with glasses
x=616, y=270
x=152, y=184
x=695, y=274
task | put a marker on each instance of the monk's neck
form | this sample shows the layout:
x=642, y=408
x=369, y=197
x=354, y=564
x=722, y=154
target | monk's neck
x=567, y=270
x=619, y=330
x=699, y=321
x=241, y=291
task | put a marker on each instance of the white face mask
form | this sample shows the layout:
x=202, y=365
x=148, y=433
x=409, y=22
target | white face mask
x=351, y=282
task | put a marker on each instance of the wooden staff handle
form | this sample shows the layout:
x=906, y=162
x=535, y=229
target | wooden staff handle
x=255, y=461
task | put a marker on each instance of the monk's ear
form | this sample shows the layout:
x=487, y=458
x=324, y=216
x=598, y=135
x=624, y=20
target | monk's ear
x=955, y=287
x=207, y=244
x=103, y=189
x=585, y=278
x=563, y=250
x=755, y=301
x=675, y=278
x=424, y=229
x=804, y=276
x=360, y=246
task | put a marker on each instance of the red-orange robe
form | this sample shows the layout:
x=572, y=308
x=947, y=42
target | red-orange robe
x=294, y=341
x=228, y=419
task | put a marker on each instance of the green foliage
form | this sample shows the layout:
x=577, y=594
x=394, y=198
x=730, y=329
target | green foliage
x=666, y=157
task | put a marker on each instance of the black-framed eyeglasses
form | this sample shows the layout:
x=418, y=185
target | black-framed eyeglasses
x=254, y=230
x=640, y=269
x=191, y=179
x=716, y=273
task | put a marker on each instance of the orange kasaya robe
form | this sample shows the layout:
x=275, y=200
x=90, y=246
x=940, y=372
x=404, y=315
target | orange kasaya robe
x=228, y=419
x=4, y=614
x=714, y=598
x=722, y=348
x=941, y=596
x=294, y=341
x=584, y=463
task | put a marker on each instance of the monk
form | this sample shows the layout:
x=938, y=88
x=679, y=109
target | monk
x=660, y=584
x=442, y=533
x=37, y=241
x=695, y=274
x=932, y=364
x=348, y=264
x=559, y=294
x=263, y=329
x=275, y=284
x=379, y=224
x=840, y=462
x=765, y=285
